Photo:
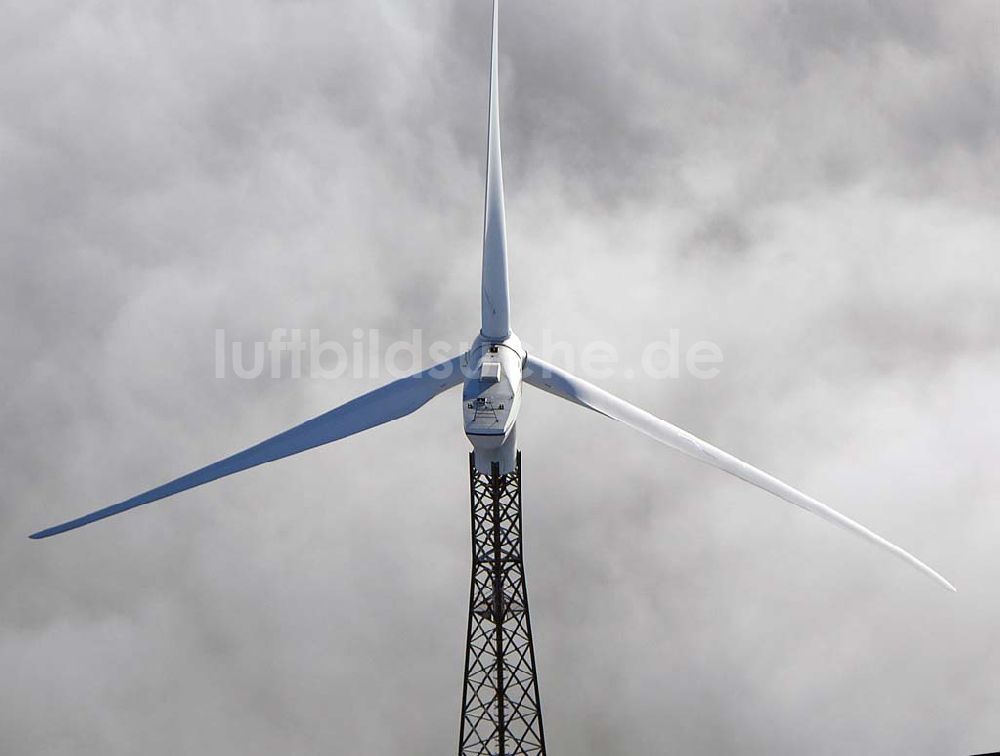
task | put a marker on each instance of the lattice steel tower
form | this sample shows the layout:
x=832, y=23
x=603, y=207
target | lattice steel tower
x=501, y=711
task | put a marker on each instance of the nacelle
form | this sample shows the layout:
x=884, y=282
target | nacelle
x=491, y=399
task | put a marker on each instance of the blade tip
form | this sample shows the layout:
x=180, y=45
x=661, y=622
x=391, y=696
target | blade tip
x=41, y=534
x=942, y=581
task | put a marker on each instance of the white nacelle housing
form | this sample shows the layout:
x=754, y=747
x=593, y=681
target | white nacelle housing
x=491, y=399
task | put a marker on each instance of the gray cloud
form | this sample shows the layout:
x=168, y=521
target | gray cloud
x=813, y=187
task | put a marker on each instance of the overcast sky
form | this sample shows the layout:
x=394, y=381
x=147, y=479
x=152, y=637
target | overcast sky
x=813, y=186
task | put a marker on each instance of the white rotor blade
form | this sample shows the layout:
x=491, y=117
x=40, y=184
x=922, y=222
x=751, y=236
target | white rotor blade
x=495, y=294
x=382, y=405
x=556, y=381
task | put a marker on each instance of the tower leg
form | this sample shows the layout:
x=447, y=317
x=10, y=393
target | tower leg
x=501, y=712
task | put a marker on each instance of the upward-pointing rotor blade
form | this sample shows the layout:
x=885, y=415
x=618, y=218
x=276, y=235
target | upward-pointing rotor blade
x=556, y=381
x=390, y=402
x=496, y=298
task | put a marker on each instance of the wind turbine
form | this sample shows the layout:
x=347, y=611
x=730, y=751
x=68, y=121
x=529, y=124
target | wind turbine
x=500, y=711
